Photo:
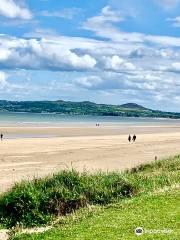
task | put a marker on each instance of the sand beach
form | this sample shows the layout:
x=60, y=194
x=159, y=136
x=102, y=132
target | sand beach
x=37, y=151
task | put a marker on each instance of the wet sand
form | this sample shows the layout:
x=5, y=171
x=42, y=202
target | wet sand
x=39, y=151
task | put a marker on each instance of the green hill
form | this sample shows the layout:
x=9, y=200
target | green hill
x=83, y=108
x=133, y=106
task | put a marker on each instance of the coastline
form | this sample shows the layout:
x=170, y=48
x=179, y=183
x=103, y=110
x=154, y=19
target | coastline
x=94, y=115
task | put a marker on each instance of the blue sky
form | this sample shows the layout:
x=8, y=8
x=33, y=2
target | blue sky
x=106, y=51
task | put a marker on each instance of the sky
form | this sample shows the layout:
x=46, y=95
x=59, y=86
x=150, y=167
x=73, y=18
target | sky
x=104, y=51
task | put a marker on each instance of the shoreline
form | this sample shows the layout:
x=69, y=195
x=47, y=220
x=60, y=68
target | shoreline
x=93, y=115
x=77, y=130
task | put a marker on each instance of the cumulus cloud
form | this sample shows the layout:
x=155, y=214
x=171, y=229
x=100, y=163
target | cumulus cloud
x=10, y=9
x=117, y=63
x=58, y=53
x=39, y=54
x=114, y=62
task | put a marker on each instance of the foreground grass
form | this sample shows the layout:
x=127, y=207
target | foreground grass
x=118, y=221
x=40, y=201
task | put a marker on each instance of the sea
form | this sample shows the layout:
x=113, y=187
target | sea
x=46, y=119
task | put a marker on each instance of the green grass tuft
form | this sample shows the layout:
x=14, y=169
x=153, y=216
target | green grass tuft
x=39, y=201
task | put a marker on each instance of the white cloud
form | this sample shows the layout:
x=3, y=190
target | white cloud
x=3, y=77
x=115, y=63
x=10, y=9
x=175, y=21
x=67, y=13
x=129, y=66
x=40, y=54
x=176, y=66
x=88, y=82
x=59, y=53
x=147, y=84
x=163, y=40
x=41, y=33
x=171, y=67
x=107, y=14
x=4, y=54
x=102, y=26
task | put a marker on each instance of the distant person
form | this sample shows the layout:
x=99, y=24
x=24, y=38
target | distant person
x=129, y=138
x=1, y=136
x=134, y=138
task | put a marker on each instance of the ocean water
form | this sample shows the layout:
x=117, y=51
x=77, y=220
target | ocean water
x=38, y=119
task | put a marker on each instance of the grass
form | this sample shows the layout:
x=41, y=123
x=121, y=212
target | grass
x=38, y=202
x=118, y=221
x=136, y=196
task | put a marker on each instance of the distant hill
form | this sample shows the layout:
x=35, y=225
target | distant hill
x=133, y=106
x=83, y=108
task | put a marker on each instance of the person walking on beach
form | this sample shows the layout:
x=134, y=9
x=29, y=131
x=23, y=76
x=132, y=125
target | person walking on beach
x=1, y=136
x=134, y=138
x=129, y=138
